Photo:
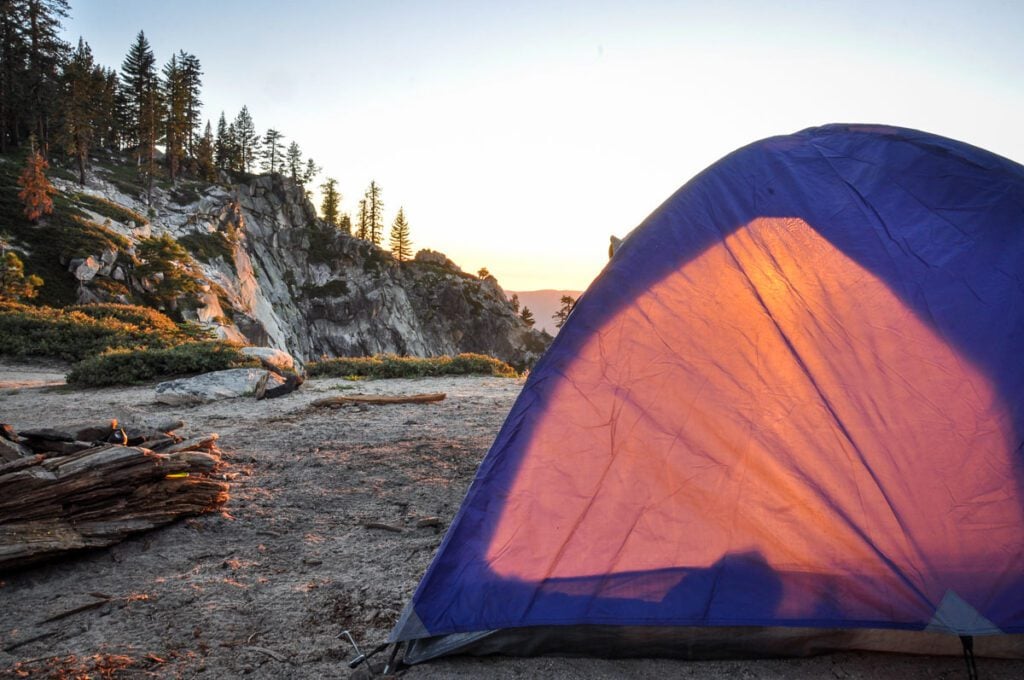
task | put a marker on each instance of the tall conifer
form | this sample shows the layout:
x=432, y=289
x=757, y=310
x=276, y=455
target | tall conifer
x=273, y=151
x=293, y=162
x=374, y=214
x=143, y=99
x=82, y=85
x=176, y=131
x=206, y=168
x=401, y=245
x=46, y=52
x=246, y=140
x=331, y=199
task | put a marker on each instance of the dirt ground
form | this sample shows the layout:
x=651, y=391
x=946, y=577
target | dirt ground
x=330, y=525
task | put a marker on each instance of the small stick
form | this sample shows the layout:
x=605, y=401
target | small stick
x=76, y=610
x=381, y=399
x=22, y=643
x=268, y=652
x=385, y=527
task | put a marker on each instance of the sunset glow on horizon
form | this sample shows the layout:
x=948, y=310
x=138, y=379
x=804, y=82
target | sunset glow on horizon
x=520, y=138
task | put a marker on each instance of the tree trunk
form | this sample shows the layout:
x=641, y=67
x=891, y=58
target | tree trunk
x=99, y=496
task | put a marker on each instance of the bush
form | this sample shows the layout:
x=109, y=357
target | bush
x=145, y=318
x=125, y=367
x=86, y=330
x=207, y=247
x=109, y=209
x=391, y=366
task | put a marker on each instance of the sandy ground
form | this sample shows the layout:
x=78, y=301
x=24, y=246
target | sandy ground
x=264, y=588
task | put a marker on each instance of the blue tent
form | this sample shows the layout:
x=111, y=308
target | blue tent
x=787, y=417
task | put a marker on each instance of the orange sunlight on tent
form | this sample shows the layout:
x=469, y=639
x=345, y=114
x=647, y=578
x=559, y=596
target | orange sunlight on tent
x=684, y=489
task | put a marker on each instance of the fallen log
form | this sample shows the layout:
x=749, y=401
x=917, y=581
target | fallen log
x=380, y=399
x=99, y=496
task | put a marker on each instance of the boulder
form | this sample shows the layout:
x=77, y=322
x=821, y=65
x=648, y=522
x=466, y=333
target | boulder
x=433, y=257
x=87, y=270
x=107, y=259
x=272, y=359
x=133, y=419
x=227, y=384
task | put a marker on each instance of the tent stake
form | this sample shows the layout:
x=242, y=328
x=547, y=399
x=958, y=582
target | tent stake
x=391, y=666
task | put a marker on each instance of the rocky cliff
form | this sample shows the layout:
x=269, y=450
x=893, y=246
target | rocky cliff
x=274, y=274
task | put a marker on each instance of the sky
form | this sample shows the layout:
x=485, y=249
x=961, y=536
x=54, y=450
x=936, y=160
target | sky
x=520, y=136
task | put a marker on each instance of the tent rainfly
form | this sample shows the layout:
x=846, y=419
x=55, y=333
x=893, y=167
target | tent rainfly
x=787, y=418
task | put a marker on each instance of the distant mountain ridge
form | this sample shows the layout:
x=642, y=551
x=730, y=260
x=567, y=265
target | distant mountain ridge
x=544, y=303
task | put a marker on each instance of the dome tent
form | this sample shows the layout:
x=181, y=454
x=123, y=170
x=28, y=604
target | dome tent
x=787, y=417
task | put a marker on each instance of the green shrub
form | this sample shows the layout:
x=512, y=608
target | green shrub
x=145, y=318
x=206, y=247
x=126, y=367
x=391, y=366
x=86, y=330
x=109, y=209
x=480, y=364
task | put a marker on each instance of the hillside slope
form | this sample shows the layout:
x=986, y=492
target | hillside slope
x=272, y=272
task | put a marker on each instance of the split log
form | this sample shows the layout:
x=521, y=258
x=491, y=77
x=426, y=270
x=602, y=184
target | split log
x=380, y=399
x=99, y=496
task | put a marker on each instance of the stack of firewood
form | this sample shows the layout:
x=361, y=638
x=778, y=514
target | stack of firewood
x=93, y=484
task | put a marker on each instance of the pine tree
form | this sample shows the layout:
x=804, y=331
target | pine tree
x=46, y=52
x=568, y=302
x=374, y=214
x=35, y=187
x=311, y=171
x=234, y=149
x=204, y=156
x=246, y=139
x=14, y=285
x=527, y=316
x=273, y=151
x=122, y=114
x=192, y=84
x=514, y=301
x=108, y=121
x=401, y=245
x=82, y=85
x=483, y=273
x=143, y=99
x=222, y=145
x=345, y=224
x=293, y=162
x=13, y=78
x=363, y=228
x=176, y=117
x=329, y=205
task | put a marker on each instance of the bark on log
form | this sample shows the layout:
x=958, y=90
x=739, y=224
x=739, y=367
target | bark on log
x=379, y=399
x=99, y=496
